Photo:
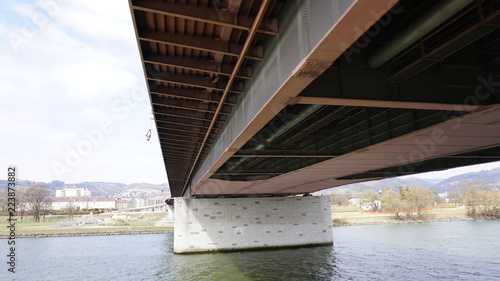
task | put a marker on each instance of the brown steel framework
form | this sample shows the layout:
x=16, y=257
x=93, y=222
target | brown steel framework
x=197, y=55
x=336, y=119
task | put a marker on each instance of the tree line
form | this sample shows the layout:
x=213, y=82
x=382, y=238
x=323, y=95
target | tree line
x=34, y=200
x=480, y=199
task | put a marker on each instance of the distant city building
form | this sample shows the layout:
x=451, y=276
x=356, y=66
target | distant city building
x=137, y=202
x=155, y=201
x=83, y=203
x=73, y=192
x=122, y=204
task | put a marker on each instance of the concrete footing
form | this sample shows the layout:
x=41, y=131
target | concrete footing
x=204, y=225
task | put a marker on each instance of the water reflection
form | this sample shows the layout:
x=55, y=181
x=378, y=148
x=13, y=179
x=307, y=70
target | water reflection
x=427, y=251
x=313, y=263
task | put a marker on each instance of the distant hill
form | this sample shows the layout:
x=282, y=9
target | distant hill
x=379, y=185
x=97, y=188
x=100, y=188
x=490, y=177
x=142, y=186
x=432, y=182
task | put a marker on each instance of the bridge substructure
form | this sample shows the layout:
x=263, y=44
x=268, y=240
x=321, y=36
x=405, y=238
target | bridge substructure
x=269, y=99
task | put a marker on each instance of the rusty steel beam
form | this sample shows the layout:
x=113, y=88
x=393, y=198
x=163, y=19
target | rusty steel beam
x=189, y=105
x=165, y=132
x=285, y=154
x=200, y=43
x=178, y=145
x=247, y=173
x=211, y=14
x=186, y=154
x=239, y=63
x=180, y=142
x=193, y=142
x=182, y=129
x=193, y=81
x=193, y=94
x=204, y=65
x=184, y=122
x=195, y=115
x=179, y=153
x=386, y=104
x=177, y=163
x=163, y=135
x=180, y=123
x=178, y=150
x=166, y=156
x=183, y=139
x=450, y=46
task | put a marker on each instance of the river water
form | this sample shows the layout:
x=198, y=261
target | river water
x=424, y=251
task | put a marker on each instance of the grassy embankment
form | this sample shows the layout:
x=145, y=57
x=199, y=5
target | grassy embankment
x=62, y=224
x=350, y=215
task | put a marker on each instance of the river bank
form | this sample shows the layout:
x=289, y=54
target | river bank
x=337, y=223
x=83, y=226
x=352, y=216
x=88, y=233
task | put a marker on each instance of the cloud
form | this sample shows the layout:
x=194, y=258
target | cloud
x=103, y=20
x=63, y=80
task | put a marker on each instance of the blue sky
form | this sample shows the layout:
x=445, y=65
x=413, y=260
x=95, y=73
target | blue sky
x=73, y=104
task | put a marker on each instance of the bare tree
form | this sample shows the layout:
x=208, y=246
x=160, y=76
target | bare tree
x=372, y=199
x=455, y=196
x=482, y=201
x=406, y=198
x=417, y=199
x=471, y=200
x=36, y=198
x=3, y=201
x=340, y=199
x=21, y=203
x=19, y=199
x=391, y=202
x=490, y=203
x=71, y=209
x=424, y=197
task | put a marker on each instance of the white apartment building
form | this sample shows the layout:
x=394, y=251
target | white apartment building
x=73, y=192
x=83, y=203
x=137, y=203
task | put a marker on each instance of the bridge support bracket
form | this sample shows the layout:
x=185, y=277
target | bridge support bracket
x=235, y=224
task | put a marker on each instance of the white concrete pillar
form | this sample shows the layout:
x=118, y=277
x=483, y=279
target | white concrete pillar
x=170, y=212
x=203, y=225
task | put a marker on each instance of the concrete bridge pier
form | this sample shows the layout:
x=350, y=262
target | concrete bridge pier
x=226, y=224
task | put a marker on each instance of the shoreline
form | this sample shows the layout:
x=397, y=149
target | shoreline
x=88, y=233
x=405, y=221
x=163, y=231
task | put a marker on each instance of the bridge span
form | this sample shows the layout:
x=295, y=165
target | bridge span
x=257, y=101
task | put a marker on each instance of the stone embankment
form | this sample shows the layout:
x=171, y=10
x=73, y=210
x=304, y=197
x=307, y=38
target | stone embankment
x=96, y=233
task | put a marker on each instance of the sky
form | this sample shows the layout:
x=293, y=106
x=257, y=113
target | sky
x=74, y=105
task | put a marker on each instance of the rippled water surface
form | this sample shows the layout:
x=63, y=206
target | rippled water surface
x=425, y=251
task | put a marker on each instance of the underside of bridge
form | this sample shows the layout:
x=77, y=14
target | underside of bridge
x=275, y=97
x=262, y=99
